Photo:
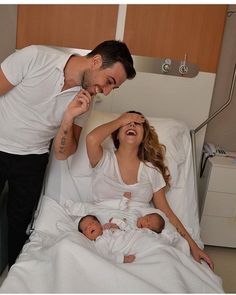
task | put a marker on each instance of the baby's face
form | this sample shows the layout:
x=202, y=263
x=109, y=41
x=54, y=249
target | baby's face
x=148, y=221
x=91, y=228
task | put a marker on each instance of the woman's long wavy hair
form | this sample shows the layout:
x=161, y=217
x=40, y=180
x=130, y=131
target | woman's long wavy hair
x=150, y=149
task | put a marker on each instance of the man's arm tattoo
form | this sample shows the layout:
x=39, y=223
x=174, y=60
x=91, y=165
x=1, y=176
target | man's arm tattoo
x=63, y=142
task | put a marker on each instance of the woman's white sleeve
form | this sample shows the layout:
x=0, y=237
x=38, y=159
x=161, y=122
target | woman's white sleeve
x=156, y=179
x=100, y=164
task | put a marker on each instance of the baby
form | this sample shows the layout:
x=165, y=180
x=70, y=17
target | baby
x=152, y=221
x=105, y=240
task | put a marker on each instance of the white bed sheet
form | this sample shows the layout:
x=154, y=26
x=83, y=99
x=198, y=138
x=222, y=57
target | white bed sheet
x=58, y=262
x=64, y=261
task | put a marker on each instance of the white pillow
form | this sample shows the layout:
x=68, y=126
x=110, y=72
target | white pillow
x=49, y=215
x=172, y=133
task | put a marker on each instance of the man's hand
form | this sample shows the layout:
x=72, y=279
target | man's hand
x=79, y=105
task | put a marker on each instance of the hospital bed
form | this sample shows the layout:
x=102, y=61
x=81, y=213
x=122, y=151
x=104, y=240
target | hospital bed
x=59, y=259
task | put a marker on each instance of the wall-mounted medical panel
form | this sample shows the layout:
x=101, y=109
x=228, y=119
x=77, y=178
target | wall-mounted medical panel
x=176, y=31
x=76, y=26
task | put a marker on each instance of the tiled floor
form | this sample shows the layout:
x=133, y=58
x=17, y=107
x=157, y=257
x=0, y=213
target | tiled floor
x=225, y=266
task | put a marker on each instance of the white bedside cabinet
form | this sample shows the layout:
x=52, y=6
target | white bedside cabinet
x=218, y=221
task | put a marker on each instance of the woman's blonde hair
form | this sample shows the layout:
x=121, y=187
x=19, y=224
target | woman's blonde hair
x=150, y=149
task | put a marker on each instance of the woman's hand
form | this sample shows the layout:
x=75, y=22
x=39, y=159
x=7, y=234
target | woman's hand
x=199, y=254
x=127, y=118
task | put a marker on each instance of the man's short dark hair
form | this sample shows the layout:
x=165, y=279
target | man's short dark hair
x=113, y=51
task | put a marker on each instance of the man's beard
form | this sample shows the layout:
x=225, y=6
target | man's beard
x=85, y=80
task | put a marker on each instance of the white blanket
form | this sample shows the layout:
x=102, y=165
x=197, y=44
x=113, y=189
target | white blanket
x=55, y=261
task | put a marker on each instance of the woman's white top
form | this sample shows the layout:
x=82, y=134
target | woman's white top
x=107, y=183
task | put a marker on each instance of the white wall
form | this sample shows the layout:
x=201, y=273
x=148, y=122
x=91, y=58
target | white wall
x=8, y=23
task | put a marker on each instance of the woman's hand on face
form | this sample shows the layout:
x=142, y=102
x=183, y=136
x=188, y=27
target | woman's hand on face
x=199, y=255
x=127, y=118
x=80, y=104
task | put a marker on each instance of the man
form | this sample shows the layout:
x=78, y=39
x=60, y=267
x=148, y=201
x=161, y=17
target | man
x=47, y=93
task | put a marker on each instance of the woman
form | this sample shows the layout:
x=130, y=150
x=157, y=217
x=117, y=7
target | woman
x=137, y=166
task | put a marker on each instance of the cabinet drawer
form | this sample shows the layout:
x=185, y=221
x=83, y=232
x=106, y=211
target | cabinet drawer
x=223, y=180
x=218, y=231
x=220, y=204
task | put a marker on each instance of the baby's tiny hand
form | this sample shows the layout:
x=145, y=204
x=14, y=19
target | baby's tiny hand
x=127, y=195
x=110, y=225
x=129, y=258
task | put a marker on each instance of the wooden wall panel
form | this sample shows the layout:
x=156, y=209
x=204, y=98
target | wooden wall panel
x=173, y=30
x=76, y=26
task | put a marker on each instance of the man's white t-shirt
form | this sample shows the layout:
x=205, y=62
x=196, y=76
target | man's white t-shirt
x=31, y=113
